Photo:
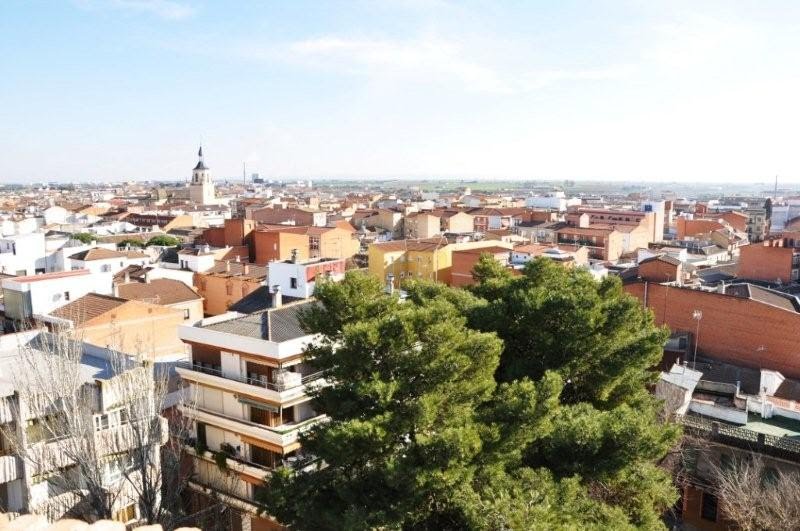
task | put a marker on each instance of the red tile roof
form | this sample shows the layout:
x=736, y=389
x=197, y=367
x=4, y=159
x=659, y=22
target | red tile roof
x=51, y=276
x=88, y=307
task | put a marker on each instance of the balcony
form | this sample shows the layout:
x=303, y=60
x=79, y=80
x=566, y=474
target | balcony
x=6, y=409
x=282, y=436
x=290, y=389
x=10, y=468
x=234, y=463
x=241, y=343
x=130, y=435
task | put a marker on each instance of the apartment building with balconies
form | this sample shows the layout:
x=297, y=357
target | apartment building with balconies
x=249, y=382
x=39, y=473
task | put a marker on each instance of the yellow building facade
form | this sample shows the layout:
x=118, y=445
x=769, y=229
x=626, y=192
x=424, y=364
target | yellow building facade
x=430, y=259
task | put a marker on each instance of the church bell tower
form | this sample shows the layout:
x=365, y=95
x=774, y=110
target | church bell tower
x=201, y=190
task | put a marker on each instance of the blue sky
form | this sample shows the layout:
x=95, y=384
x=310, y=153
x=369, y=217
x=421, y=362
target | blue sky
x=644, y=90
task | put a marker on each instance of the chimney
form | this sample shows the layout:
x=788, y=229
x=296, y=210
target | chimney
x=206, y=248
x=246, y=269
x=227, y=266
x=127, y=277
x=115, y=289
x=390, y=284
x=147, y=277
x=294, y=256
x=277, y=298
x=238, y=259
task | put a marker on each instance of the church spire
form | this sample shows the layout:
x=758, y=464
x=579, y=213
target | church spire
x=201, y=165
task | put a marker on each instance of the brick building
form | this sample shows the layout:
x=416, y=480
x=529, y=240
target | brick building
x=755, y=327
x=690, y=228
x=464, y=262
x=661, y=268
x=236, y=232
x=226, y=283
x=770, y=261
x=277, y=242
x=290, y=216
x=130, y=326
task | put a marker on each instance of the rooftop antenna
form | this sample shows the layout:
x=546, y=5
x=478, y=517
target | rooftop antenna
x=775, y=194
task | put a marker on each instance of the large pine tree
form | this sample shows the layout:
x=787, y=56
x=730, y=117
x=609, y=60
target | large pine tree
x=522, y=405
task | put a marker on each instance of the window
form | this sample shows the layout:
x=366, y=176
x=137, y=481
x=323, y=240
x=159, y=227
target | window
x=66, y=295
x=229, y=288
x=106, y=268
x=708, y=509
x=101, y=422
x=293, y=282
x=185, y=314
x=126, y=514
x=201, y=435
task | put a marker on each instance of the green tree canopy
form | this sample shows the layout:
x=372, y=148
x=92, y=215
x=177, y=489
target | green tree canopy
x=552, y=318
x=164, y=241
x=132, y=242
x=84, y=237
x=521, y=405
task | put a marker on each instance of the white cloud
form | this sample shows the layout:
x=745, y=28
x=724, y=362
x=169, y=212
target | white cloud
x=423, y=60
x=166, y=9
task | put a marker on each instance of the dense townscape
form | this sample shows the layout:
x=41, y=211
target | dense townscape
x=251, y=354
x=399, y=265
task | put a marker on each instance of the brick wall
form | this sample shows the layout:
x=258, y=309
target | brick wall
x=732, y=329
x=214, y=236
x=762, y=262
x=276, y=245
x=692, y=227
x=659, y=271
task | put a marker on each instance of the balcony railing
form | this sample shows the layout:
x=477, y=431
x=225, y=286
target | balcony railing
x=740, y=437
x=196, y=367
x=10, y=468
x=236, y=461
x=282, y=435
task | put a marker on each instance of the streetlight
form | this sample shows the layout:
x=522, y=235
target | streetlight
x=759, y=354
x=697, y=315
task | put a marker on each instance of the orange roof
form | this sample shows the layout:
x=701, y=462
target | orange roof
x=54, y=275
x=532, y=248
x=587, y=231
x=429, y=244
x=162, y=291
x=97, y=253
x=88, y=307
x=495, y=249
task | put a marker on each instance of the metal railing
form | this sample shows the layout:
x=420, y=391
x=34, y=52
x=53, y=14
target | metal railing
x=782, y=447
x=257, y=382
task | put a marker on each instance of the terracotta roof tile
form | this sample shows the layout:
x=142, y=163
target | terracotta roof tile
x=97, y=253
x=88, y=307
x=163, y=291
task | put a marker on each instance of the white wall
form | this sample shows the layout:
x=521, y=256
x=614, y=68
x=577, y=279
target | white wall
x=728, y=414
x=22, y=254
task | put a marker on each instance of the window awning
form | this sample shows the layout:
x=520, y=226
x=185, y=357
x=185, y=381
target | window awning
x=259, y=405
